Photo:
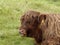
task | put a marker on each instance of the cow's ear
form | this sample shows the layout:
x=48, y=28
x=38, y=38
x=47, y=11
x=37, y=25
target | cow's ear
x=42, y=18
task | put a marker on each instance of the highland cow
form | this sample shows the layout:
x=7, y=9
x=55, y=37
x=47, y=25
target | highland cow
x=44, y=28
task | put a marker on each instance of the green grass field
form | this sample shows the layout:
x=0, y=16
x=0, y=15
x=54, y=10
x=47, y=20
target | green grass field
x=12, y=10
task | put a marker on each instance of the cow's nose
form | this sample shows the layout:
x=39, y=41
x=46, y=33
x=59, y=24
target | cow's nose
x=22, y=32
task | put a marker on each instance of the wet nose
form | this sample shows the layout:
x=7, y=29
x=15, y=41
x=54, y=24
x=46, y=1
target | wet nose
x=22, y=32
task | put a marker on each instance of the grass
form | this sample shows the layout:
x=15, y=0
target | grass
x=12, y=10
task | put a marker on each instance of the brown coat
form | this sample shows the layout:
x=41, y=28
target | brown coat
x=44, y=28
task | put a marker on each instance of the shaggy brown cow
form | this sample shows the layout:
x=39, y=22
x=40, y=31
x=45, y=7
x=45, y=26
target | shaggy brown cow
x=44, y=28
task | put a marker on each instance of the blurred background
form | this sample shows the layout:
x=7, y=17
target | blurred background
x=12, y=10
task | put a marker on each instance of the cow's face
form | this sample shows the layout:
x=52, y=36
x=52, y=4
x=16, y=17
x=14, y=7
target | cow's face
x=29, y=23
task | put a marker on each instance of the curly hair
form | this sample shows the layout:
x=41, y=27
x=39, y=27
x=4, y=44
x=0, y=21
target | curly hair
x=44, y=28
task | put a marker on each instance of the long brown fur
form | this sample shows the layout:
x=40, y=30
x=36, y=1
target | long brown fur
x=44, y=28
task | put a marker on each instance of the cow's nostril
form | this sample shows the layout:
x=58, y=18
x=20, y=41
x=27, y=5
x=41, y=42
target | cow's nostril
x=22, y=32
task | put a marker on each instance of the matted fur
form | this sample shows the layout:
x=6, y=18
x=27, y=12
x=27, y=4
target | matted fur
x=44, y=28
